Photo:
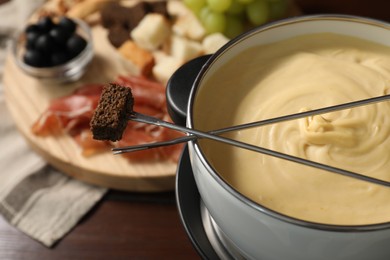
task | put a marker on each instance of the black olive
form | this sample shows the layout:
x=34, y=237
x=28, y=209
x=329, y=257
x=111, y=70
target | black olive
x=31, y=39
x=76, y=44
x=60, y=35
x=58, y=58
x=68, y=24
x=45, y=43
x=32, y=28
x=45, y=24
x=33, y=58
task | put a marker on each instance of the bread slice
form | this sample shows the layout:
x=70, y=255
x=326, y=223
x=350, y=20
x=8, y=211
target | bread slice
x=112, y=113
x=138, y=56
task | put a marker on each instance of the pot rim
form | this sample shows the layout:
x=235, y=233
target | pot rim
x=231, y=189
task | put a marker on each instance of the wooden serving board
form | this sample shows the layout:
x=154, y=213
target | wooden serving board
x=28, y=97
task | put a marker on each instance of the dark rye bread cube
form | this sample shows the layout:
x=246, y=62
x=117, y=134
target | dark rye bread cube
x=117, y=35
x=159, y=7
x=112, y=113
x=127, y=17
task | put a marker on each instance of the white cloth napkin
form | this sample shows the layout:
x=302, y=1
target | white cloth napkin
x=34, y=197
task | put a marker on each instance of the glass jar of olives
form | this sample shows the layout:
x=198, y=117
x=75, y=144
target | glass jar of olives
x=56, y=50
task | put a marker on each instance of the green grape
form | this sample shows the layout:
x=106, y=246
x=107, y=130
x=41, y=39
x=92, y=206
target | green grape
x=277, y=8
x=258, y=12
x=234, y=26
x=219, y=5
x=236, y=8
x=203, y=13
x=214, y=22
x=245, y=1
x=195, y=5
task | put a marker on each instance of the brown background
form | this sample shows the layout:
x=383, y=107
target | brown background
x=145, y=226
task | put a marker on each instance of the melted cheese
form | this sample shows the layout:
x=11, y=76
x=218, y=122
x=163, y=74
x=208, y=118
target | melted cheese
x=298, y=74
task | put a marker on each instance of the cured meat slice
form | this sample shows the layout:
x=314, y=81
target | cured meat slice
x=72, y=114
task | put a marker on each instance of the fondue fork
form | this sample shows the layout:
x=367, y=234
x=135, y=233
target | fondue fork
x=211, y=135
x=274, y=120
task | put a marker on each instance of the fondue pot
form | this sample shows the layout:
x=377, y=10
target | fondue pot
x=248, y=229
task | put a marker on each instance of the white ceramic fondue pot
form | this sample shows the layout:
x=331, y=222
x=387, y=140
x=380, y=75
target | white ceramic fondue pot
x=258, y=232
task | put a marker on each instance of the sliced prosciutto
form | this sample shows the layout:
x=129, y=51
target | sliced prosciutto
x=145, y=92
x=69, y=114
x=72, y=114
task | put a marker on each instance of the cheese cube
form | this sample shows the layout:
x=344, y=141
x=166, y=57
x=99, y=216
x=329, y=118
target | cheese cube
x=152, y=31
x=177, y=8
x=165, y=67
x=184, y=49
x=190, y=27
x=213, y=42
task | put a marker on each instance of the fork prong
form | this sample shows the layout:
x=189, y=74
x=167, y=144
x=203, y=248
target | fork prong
x=140, y=147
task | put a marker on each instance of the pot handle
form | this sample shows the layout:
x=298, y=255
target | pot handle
x=179, y=88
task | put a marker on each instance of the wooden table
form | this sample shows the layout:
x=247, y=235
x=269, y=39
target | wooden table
x=145, y=226
x=123, y=226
